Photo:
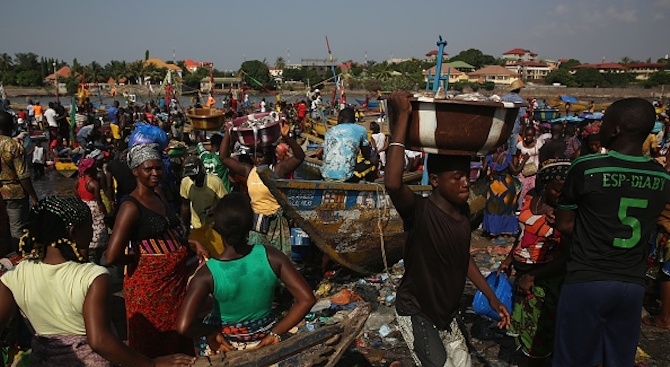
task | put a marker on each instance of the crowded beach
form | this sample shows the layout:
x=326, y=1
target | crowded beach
x=237, y=230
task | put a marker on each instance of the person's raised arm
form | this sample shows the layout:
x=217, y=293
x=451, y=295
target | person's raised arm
x=399, y=112
x=287, y=166
x=126, y=219
x=103, y=341
x=233, y=164
x=299, y=289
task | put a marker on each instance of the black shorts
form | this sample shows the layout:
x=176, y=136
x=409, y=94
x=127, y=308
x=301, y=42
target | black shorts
x=598, y=322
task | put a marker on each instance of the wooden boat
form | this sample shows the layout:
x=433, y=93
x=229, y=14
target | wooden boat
x=372, y=103
x=321, y=347
x=577, y=107
x=356, y=225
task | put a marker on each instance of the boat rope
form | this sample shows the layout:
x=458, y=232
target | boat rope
x=382, y=207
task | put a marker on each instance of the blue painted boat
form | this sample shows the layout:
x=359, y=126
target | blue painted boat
x=372, y=103
x=356, y=225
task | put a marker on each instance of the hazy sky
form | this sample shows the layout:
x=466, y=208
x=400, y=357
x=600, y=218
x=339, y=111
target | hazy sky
x=227, y=32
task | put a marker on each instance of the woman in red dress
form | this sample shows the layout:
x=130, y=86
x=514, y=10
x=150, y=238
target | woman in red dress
x=157, y=272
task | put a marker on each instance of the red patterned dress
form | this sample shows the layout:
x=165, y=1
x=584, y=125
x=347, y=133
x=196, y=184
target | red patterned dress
x=154, y=290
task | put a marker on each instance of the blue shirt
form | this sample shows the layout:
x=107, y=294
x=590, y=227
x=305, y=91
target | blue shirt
x=111, y=113
x=340, y=148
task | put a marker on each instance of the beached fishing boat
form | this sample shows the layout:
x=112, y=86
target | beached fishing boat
x=372, y=103
x=321, y=347
x=356, y=225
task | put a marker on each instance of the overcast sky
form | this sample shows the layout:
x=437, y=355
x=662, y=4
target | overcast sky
x=226, y=32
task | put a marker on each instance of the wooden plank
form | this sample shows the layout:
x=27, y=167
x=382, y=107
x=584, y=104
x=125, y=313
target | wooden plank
x=324, y=346
x=274, y=353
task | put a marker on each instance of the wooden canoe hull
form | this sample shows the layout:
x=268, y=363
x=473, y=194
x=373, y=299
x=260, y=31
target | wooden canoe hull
x=356, y=225
x=324, y=346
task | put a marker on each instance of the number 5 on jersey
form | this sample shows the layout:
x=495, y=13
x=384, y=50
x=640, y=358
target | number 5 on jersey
x=630, y=221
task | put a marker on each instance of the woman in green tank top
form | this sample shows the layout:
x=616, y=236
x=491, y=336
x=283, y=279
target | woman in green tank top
x=241, y=281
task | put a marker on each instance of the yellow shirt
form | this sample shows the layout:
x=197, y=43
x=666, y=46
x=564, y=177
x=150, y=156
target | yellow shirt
x=649, y=144
x=114, y=129
x=52, y=296
x=203, y=199
x=262, y=201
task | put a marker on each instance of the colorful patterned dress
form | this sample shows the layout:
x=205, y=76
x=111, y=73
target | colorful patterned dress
x=154, y=290
x=534, y=315
x=501, y=197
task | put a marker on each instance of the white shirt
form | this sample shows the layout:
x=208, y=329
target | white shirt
x=50, y=115
x=262, y=106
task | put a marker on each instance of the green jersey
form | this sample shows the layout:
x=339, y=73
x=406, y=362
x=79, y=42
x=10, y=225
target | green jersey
x=213, y=165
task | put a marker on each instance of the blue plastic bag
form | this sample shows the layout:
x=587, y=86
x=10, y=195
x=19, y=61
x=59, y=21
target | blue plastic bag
x=502, y=288
x=148, y=134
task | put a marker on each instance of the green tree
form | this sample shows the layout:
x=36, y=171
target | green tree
x=561, y=76
x=658, y=78
x=8, y=77
x=257, y=70
x=625, y=60
x=569, y=64
x=29, y=78
x=26, y=62
x=589, y=78
x=94, y=72
x=475, y=58
x=6, y=62
x=280, y=63
x=146, y=55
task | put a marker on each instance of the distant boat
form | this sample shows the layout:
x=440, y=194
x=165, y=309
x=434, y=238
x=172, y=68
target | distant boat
x=372, y=103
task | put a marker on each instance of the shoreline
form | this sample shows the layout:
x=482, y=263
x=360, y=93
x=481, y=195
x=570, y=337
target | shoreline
x=534, y=91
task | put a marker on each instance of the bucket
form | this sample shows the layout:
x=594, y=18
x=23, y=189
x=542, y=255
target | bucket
x=300, y=244
x=545, y=114
x=455, y=127
x=260, y=136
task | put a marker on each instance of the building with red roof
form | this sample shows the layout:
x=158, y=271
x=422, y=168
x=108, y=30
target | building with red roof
x=432, y=55
x=191, y=65
x=519, y=55
x=530, y=70
x=643, y=70
x=493, y=73
x=605, y=67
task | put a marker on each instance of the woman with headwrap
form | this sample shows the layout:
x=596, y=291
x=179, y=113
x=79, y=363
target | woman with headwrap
x=502, y=194
x=270, y=227
x=62, y=296
x=157, y=272
x=88, y=189
x=539, y=264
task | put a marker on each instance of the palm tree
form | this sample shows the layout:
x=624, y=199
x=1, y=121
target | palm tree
x=95, y=71
x=625, y=60
x=6, y=62
x=280, y=63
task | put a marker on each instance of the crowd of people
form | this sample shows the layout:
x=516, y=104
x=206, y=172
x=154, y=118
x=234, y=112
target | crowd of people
x=207, y=216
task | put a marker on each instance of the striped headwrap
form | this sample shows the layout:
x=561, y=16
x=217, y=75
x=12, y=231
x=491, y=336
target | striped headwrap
x=141, y=153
